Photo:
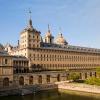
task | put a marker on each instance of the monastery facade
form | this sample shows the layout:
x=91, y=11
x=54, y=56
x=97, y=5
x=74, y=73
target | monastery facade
x=43, y=61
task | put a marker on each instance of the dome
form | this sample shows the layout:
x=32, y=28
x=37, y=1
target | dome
x=1, y=47
x=60, y=40
x=48, y=34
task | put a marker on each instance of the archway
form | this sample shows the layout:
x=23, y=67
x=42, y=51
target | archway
x=31, y=80
x=21, y=80
x=6, y=82
x=85, y=75
x=95, y=74
x=40, y=79
x=48, y=78
x=58, y=77
x=80, y=76
x=90, y=74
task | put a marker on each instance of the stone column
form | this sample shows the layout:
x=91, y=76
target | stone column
x=83, y=75
x=35, y=79
x=53, y=78
x=44, y=79
x=26, y=80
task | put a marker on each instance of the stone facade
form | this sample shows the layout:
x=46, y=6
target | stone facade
x=34, y=61
x=6, y=69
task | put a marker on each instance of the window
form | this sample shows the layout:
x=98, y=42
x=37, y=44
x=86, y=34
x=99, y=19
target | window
x=29, y=36
x=29, y=45
x=6, y=61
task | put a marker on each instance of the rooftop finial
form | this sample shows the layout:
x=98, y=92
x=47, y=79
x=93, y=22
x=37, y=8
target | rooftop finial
x=60, y=33
x=30, y=20
x=30, y=13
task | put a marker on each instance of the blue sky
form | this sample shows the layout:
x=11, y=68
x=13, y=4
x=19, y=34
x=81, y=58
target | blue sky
x=79, y=19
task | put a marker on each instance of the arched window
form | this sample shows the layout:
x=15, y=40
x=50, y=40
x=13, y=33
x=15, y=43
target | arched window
x=6, y=82
x=31, y=80
x=21, y=80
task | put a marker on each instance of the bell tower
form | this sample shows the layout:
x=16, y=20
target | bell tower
x=29, y=38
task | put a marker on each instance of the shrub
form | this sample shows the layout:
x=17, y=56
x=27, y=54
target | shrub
x=93, y=81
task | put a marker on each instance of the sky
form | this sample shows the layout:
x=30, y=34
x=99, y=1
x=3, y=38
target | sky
x=79, y=20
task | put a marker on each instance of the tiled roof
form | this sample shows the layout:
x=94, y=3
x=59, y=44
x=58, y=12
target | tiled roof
x=69, y=48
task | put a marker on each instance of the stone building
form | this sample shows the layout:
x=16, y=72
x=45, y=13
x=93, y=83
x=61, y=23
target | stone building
x=6, y=68
x=38, y=61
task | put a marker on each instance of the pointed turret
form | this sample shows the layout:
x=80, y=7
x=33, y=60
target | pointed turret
x=30, y=21
x=48, y=37
x=31, y=36
x=48, y=28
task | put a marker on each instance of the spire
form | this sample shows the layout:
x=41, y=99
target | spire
x=48, y=28
x=30, y=20
x=59, y=29
x=30, y=13
x=60, y=33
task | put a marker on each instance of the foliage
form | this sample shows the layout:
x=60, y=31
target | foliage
x=98, y=71
x=93, y=81
x=74, y=76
